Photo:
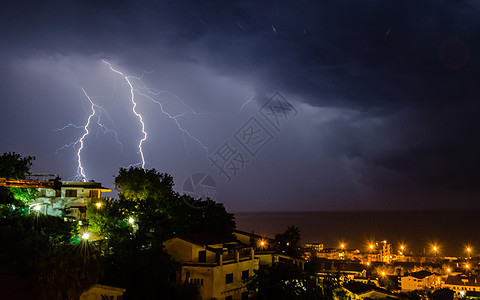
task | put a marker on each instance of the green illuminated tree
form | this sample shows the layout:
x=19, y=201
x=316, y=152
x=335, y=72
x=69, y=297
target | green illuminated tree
x=13, y=200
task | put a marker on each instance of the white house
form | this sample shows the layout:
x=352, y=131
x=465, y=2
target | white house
x=418, y=281
x=217, y=266
x=73, y=196
x=461, y=284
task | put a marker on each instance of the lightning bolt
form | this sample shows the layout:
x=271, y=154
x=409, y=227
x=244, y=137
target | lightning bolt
x=80, y=170
x=175, y=117
x=139, y=116
x=141, y=89
x=95, y=110
x=246, y=102
x=103, y=128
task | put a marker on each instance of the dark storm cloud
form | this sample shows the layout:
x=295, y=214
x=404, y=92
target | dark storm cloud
x=400, y=78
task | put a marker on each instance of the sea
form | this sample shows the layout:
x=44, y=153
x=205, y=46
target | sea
x=419, y=231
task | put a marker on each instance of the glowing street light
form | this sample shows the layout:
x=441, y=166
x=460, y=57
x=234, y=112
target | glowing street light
x=86, y=236
x=469, y=250
x=131, y=220
x=98, y=205
x=37, y=207
x=262, y=243
x=342, y=246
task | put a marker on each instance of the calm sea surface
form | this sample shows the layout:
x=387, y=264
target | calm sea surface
x=451, y=230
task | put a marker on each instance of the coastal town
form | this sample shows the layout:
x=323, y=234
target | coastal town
x=224, y=266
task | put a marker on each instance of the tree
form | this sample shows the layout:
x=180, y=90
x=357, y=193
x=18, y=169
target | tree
x=13, y=165
x=443, y=294
x=13, y=200
x=137, y=184
x=289, y=241
x=133, y=228
x=283, y=281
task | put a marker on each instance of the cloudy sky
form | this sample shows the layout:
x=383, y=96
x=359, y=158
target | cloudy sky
x=375, y=103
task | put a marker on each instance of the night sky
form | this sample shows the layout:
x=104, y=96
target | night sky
x=382, y=96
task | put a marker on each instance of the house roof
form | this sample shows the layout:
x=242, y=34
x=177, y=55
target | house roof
x=204, y=239
x=252, y=235
x=420, y=274
x=85, y=185
x=463, y=280
x=359, y=288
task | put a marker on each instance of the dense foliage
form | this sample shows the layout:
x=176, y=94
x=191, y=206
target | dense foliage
x=45, y=257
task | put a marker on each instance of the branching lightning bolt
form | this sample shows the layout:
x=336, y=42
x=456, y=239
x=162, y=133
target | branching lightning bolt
x=79, y=151
x=140, y=118
x=174, y=118
x=95, y=110
x=150, y=94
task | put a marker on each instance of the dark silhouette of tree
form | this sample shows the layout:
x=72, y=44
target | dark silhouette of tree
x=443, y=294
x=283, y=281
x=13, y=165
x=289, y=241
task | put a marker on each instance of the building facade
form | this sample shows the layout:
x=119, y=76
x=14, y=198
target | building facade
x=72, y=198
x=217, y=266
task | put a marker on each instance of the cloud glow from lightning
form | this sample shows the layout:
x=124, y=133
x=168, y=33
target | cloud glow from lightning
x=132, y=99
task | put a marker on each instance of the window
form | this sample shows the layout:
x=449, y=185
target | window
x=229, y=278
x=202, y=256
x=71, y=193
x=94, y=194
x=245, y=275
x=196, y=281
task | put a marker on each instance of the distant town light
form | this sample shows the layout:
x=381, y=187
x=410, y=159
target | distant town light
x=448, y=270
x=383, y=273
x=131, y=220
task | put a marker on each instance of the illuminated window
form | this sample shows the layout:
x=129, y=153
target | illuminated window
x=229, y=278
x=71, y=193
